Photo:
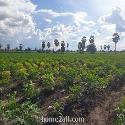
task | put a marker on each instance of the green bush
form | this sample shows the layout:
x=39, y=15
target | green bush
x=30, y=90
x=6, y=75
x=48, y=81
x=20, y=114
x=120, y=113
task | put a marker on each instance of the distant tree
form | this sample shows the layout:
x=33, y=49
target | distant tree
x=8, y=47
x=101, y=48
x=56, y=42
x=67, y=45
x=28, y=49
x=62, y=46
x=0, y=45
x=83, y=43
x=35, y=49
x=91, y=47
x=92, y=39
x=80, y=46
x=105, y=47
x=108, y=47
x=116, y=39
x=21, y=47
x=48, y=45
x=16, y=48
x=43, y=45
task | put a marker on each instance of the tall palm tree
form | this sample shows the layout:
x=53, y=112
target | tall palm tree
x=0, y=45
x=43, y=45
x=115, y=39
x=91, y=40
x=8, y=46
x=48, y=45
x=105, y=47
x=67, y=45
x=21, y=47
x=108, y=47
x=83, y=43
x=80, y=46
x=91, y=47
x=62, y=46
x=56, y=42
x=101, y=48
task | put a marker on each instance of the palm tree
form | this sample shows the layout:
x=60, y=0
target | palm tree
x=83, y=43
x=115, y=39
x=105, y=47
x=101, y=48
x=62, y=46
x=67, y=45
x=21, y=47
x=80, y=46
x=0, y=46
x=8, y=46
x=91, y=40
x=56, y=42
x=43, y=45
x=48, y=45
x=108, y=47
x=91, y=47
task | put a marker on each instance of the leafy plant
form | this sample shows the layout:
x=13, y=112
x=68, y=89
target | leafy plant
x=120, y=112
x=48, y=81
x=30, y=90
x=6, y=75
x=20, y=114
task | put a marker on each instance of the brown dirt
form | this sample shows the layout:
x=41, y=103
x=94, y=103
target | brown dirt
x=102, y=114
x=100, y=111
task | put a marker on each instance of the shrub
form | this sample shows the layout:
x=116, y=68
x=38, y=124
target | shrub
x=6, y=75
x=30, y=90
x=20, y=114
x=48, y=81
x=120, y=112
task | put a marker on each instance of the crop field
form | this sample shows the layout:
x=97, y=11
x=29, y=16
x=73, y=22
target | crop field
x=33, y=85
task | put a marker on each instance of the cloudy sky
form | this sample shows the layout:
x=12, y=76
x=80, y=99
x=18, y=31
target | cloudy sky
x=31, y=21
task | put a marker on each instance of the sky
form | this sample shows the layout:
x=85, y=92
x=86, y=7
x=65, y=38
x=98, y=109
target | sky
x=29, y=22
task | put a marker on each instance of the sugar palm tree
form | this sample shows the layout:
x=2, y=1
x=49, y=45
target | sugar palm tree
x=8, y=46
x=116, y=39
x=56, y=42
x=105, y=47
x=21, y=47
x=0, y=45
x=108, y=47
x=48, y=45
x=91, y=40
x=62, y=46
x=80, y=46
x=83, y=43
x=43, y=45
x=67, y=45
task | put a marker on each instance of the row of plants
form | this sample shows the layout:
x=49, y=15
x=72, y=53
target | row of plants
x=73, y=73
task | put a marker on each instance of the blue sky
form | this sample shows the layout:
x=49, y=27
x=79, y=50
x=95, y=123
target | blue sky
x=31, y=21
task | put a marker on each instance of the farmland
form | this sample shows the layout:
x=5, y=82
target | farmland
x=33, y=85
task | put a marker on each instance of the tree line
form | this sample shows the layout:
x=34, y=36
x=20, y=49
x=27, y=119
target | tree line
x=81, y=45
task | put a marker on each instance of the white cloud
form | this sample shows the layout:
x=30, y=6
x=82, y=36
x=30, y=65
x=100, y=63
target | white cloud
x=114, y=17
x=48, y=20
x=48, y=13
x=16, y=20
x=78, y=18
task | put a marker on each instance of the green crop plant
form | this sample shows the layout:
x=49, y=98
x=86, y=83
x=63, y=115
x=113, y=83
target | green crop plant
x=119, y=119
x=48, y=81
x=30, y=90
x=19, y=114
x=5, y=76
